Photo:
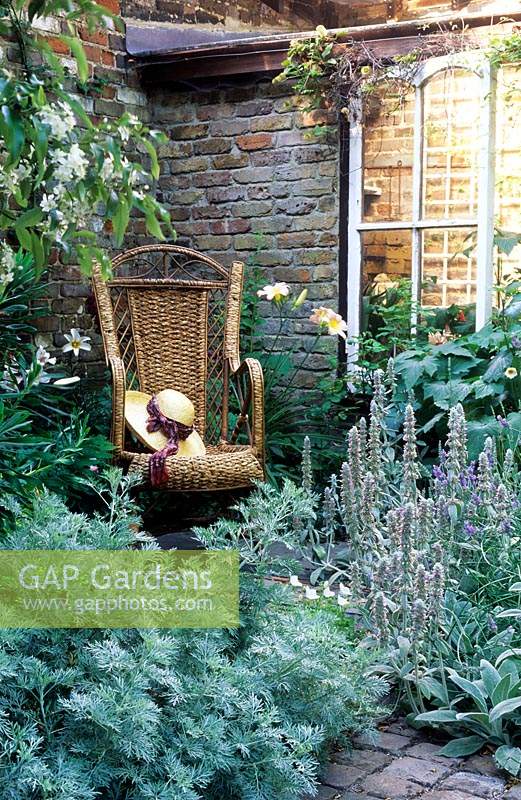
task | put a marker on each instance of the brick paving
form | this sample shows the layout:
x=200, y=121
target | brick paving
x=404, y=764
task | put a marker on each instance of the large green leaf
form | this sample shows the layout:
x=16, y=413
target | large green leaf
x=504, y=708
x=489, y=675
x=12, y=131
x=508, y=758
x=154, y=163
x=446, y=395
x=79, y=55
x=469, y=688
x=120, y=220
x=501, y=690
x=410, y=372
x=29, y=218
x=497, y=367
x=437, y=716
x=478, y=431
x=462, y=747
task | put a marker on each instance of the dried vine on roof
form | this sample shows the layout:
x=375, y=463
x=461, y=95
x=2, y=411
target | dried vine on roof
x=332, y=75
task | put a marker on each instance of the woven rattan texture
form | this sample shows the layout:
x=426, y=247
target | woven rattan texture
x=229, y=467
x=170, y=341
x=170, y=317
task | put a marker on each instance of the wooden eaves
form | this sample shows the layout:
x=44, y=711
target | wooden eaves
x=261, y=54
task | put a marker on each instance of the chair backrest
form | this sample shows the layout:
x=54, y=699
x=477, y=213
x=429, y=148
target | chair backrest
x=172, y=315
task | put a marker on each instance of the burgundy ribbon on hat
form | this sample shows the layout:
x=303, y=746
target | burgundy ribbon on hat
x=174, y=432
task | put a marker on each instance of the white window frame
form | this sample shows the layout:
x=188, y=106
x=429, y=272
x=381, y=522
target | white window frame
x=473, y=62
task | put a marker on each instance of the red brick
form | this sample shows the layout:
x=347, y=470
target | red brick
x=112, y=5
x=93, y=53
x=256, y=141
x=107, y=58
x=58, y=46
x=94, y=37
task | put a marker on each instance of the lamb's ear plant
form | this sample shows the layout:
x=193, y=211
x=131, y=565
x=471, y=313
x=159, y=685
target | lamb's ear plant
x=432, y=561
x=486, y=710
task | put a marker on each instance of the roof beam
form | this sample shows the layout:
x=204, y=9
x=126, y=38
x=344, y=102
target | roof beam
x=265, y=55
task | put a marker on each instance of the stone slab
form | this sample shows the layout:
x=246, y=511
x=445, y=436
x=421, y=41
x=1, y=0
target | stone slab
x=427, y=773
x=341, y=776
x=430, y=751
x=391, y=787
x=475, y=784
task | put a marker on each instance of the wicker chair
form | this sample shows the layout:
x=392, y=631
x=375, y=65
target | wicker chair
x=170, y=319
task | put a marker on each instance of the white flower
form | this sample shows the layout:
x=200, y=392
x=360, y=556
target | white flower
x=107, y=168
x=275, y=292
x=511, y=373
x=48, y=203
x=344, y=590
x=7, y=264
x=327, y=591
x=323, y=317
x=294, y=581
x=342, y=601
x=311, y=594
x=72, y=164
x=59, y=118
x=76, y=342
x=43, y=357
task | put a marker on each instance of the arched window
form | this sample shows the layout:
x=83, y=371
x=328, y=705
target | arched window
x=421, y=187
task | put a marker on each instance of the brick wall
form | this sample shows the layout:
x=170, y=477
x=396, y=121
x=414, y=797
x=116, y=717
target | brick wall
x=230, y=13
x=244, y=178
x=303, y=14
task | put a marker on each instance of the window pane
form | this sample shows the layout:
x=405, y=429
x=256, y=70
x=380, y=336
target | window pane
x=386, y=257
x=448, y=276
x=451, y=145
x=508, y=163
x=388, y=153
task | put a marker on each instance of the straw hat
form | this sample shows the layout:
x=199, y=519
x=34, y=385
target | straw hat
x=173, y=405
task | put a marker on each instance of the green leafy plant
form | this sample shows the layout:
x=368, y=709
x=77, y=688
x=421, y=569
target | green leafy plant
x=59, y=168
x=431, y=562
x=133, y=714
x=283, y=363
x=487, y=707
x=61, y=173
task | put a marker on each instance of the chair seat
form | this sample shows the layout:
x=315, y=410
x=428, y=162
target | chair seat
x=224, y=466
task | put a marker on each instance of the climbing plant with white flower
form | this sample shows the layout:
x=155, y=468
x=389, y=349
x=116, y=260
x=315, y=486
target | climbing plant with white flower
x=62, y=175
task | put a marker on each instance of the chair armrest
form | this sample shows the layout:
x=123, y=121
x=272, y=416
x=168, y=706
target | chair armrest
x=118, y=404
x=250, y=377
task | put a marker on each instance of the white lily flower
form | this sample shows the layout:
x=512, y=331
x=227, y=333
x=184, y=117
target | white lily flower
x=76, y=342
x=294, y=581
x=43, y=357
x=275, y=292
x=311, y=593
